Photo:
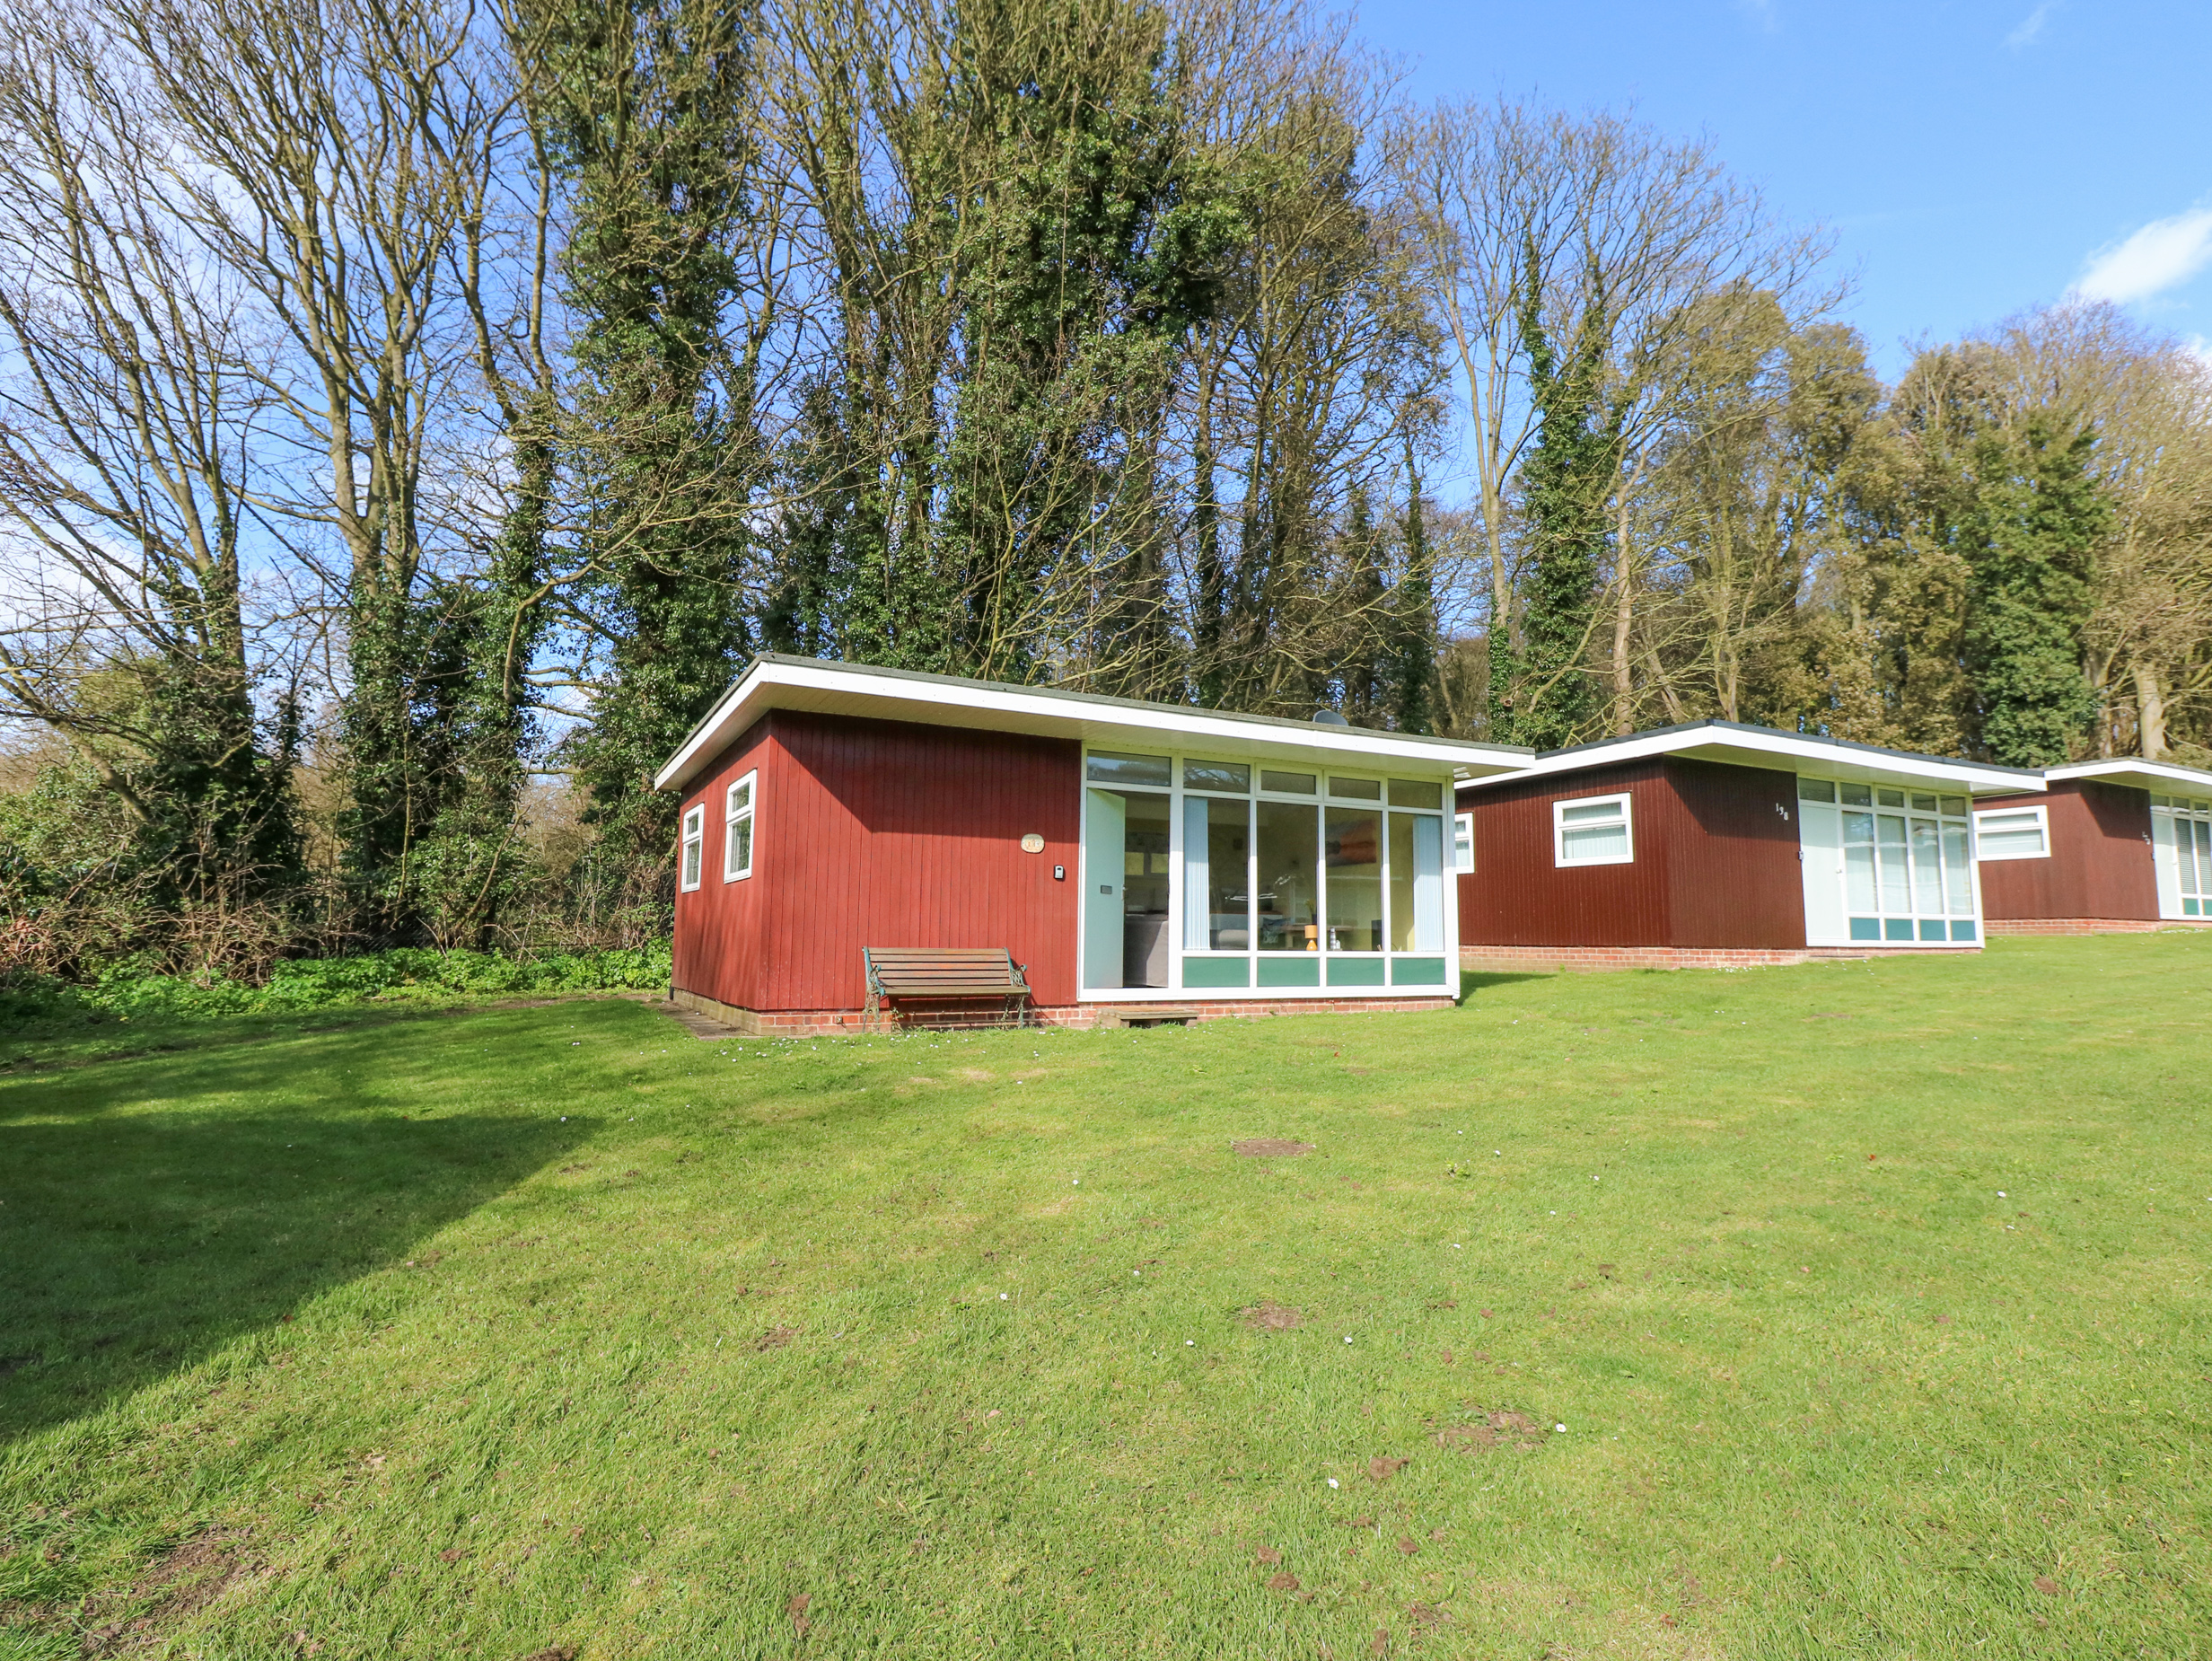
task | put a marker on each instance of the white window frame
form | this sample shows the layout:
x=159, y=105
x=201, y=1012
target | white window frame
x=1462, y=844
x=2043, y=826
x=1559, y=830
x=731, y=815
x=691, y=854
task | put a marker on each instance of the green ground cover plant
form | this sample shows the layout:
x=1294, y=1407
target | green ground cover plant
x=1855, y=1310
x=42, y=1005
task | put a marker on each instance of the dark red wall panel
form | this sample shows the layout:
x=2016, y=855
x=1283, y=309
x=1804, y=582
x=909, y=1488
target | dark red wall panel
x=885, y=833
x=1716, y=864
x=1733, y=877
x=1516, y=896
x=2100, y=863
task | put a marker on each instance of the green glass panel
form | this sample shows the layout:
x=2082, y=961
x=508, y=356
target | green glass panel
x=1355, y=971
x=1961, y=931
x=1216, y=971
x=1930, y=929
x=1418, y=971
x=1290, y=971
x=1865, y=928
x=1897, y=928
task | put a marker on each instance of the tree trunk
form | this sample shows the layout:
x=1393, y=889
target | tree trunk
x=2150, y=704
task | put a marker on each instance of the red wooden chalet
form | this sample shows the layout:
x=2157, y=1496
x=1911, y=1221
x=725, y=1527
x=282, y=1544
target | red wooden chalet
x=2113, y=846
x=1715, y=844
x=1130, y=860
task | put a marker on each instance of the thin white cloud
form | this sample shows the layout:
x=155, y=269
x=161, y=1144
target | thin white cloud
x=1762, y=13
x=2031, y=27
x=2162, y=255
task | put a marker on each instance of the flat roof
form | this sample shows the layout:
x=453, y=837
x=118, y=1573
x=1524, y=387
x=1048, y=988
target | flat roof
x=2164, y=778
x=773, y=680
x=1740, y=745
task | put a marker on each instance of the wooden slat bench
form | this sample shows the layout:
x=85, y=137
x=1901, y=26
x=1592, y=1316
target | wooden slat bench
x=946, y=974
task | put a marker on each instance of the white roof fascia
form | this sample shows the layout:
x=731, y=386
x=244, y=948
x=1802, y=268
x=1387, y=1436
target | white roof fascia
x=1110, y=723
x=1791, y=751
x=2153, y=776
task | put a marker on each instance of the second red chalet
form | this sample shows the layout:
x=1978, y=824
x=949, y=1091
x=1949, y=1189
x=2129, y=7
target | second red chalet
x=2113, y=846
x=1136, y=860
x=1716, y=845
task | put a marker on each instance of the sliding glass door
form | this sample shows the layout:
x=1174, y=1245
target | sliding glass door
x=1280, y=878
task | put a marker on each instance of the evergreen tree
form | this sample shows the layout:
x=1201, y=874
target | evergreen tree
x=2038, y=516
x=1413, y=617
x=1552, y=700
x=651, y=122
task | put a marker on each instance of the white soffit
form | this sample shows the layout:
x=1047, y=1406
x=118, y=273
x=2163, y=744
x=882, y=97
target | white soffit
x=2162, y=778
x=1752, y=746
x=820, y=687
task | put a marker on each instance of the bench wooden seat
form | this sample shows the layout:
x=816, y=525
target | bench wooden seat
x=945, y=975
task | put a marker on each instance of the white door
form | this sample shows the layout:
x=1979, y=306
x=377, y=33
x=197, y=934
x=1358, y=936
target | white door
x=1820, y=848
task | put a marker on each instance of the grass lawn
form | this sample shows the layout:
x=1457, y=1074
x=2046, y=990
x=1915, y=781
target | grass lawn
x=1871, y=1299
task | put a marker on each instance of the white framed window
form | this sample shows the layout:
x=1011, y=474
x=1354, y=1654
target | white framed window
x=694, y=844
x=737, y=809
x=1464, y=844
x=1592, y=831
x=2012, y=833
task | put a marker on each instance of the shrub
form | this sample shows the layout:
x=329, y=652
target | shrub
x=130, y=991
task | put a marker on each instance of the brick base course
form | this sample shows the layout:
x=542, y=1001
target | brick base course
x=1596, y=959
x=2091, y=925
x=954, y=1016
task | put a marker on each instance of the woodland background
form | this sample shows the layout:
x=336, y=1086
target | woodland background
x=413, y=414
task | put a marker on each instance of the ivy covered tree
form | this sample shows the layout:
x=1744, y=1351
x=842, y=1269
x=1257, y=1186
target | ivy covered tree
x=648, y=116
x=2031, y=536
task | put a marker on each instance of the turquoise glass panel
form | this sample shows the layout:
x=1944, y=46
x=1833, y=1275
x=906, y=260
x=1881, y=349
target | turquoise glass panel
x=1932, y=928
x=1897, y=928
x=1355, y=971
x=1418, y=971
x=1962, y=931
x=1290, y=971
x=1865, y=928
x=1216, y=971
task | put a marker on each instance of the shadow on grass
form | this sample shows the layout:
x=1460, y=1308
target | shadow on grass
x=1472, y=982
x=133, y=1245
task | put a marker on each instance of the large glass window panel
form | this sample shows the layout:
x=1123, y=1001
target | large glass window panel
x=1958, y=873
x=1287, y=836
x=1858, y=862
x=1416, y=792
x=1231, y=775
x=1928, y=873
x=1108, y=768
x=1890, y=845
x=1856, y=796
x=1217, y=886
x=1353, y=854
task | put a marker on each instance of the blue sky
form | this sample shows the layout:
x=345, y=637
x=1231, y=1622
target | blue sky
x=1974, y=159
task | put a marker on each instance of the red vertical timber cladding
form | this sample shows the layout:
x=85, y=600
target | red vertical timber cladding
x=1518, y=896
x=716, y=945
x=2100, y=863
x=1715, y=865
x=887, y=834
x=1733, y=872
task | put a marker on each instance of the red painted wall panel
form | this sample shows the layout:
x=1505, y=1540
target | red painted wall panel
x=1715, y=865
x=1733, y=877
x=2100, y=863
x=885, y=833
